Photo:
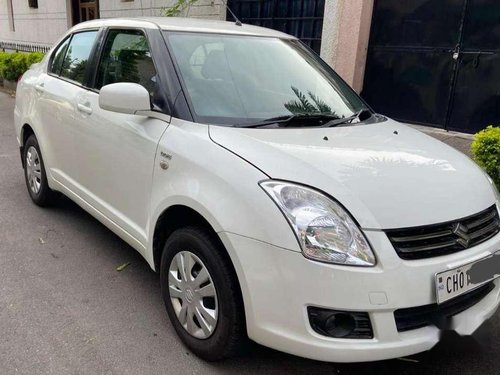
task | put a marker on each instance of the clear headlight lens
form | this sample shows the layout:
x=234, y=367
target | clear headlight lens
x=326, y=232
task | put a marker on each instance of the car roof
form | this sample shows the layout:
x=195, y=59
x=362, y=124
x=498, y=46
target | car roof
x=184, y=24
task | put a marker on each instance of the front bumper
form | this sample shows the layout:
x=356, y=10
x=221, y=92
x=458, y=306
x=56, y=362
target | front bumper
x=279, y=284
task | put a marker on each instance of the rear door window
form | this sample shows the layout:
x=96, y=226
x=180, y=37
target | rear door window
x=74, y=65
x=58, y=57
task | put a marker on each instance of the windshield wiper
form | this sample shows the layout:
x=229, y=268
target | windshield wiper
x=364, y=113
x=288, y=119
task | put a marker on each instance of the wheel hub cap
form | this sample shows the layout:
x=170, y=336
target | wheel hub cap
x=33, y=169
x=189, y=295
x=193, y=295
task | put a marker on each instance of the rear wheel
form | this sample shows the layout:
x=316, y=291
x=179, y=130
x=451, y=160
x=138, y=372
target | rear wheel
x=34, y=174
x=201, y=294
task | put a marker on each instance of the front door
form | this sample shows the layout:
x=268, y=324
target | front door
x=435, y=62
x=117, y=151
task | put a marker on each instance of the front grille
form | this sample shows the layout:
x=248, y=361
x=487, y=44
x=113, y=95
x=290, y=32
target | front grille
x=446, y=238
x=439, y=315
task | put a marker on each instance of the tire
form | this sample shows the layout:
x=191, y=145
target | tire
x=228, y=334
x=34, y=174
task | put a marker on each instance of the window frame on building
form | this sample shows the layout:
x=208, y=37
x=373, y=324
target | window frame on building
x=10, y=15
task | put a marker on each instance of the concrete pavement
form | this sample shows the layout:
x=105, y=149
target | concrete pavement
x=64, y=309
x=460, y=141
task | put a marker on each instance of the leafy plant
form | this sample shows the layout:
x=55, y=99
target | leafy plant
x=486, y=152
x=302, y=105
x=3, y=56
x=310, y=104
x=13, y=65
x=176, y=9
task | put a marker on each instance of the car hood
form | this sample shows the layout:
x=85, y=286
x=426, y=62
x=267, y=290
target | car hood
x=386, y=174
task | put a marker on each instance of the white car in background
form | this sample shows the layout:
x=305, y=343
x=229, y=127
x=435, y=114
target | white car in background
x=274, y=203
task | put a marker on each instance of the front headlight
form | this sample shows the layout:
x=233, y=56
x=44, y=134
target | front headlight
x=326, y=232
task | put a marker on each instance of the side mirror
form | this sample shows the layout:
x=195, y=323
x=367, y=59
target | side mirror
x=124, y=97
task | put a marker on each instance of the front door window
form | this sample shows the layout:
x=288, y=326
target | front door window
x=126, y=58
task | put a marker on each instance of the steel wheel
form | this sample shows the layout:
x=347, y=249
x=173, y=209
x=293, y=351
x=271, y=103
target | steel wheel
x=33, y=169
x=193, y=295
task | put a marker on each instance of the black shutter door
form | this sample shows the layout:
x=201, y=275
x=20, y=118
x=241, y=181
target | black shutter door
x=301, y=18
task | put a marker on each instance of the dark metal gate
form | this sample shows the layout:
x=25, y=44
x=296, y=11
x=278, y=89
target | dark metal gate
x=436, y=62
x=301, y=18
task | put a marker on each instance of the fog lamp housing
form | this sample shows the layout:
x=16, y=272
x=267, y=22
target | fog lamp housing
x=340, y=324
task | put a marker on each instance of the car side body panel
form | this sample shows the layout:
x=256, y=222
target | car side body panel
x=216, y=183
x=115, y=175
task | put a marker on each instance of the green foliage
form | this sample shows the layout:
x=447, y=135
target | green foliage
x=3, y=57
x=176, y=9
x=13, y=65
x=486, y=152
x=320, y=104
x=304, y=106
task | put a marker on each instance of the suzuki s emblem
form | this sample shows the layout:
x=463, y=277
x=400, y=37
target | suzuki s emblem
x=461, y=231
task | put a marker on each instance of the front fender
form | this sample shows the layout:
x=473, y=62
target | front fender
x=217, y=184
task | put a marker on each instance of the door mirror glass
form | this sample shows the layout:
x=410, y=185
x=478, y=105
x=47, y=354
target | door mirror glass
x=124, y=97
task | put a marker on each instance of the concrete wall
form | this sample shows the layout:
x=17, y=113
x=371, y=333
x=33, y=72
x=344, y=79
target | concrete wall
x=346, y=32
x=53, y=17
x=346, y=27
x=119, y=8
x=43, y=25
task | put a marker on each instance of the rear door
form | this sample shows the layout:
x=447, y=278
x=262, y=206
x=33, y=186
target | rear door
x=59, y=91
x=118, y=150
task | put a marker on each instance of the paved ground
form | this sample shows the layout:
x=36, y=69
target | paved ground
x=460, y=141
x=64, y=309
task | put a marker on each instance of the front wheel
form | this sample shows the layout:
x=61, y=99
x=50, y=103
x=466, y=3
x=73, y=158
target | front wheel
x=201, y=294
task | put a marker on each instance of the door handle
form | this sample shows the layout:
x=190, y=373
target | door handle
x=40, y=87
x=85, y=109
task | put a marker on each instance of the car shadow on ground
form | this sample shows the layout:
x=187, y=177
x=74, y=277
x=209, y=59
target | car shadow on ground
x=454, y=354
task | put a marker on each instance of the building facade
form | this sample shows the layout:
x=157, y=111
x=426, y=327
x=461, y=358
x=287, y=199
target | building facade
x=433, y=62
x=327, y=26
x=42, y=22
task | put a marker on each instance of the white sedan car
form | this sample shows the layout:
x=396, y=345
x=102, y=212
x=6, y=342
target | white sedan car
x=274, y=203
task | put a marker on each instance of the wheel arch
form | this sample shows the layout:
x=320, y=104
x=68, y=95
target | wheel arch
x=26, y=132
x=172, y=218
x=179, y=216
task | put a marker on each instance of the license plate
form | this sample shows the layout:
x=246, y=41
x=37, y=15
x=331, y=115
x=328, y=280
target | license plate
x=460, y=280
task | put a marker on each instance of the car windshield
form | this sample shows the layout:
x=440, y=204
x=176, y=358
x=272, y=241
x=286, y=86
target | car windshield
x=237, y=80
